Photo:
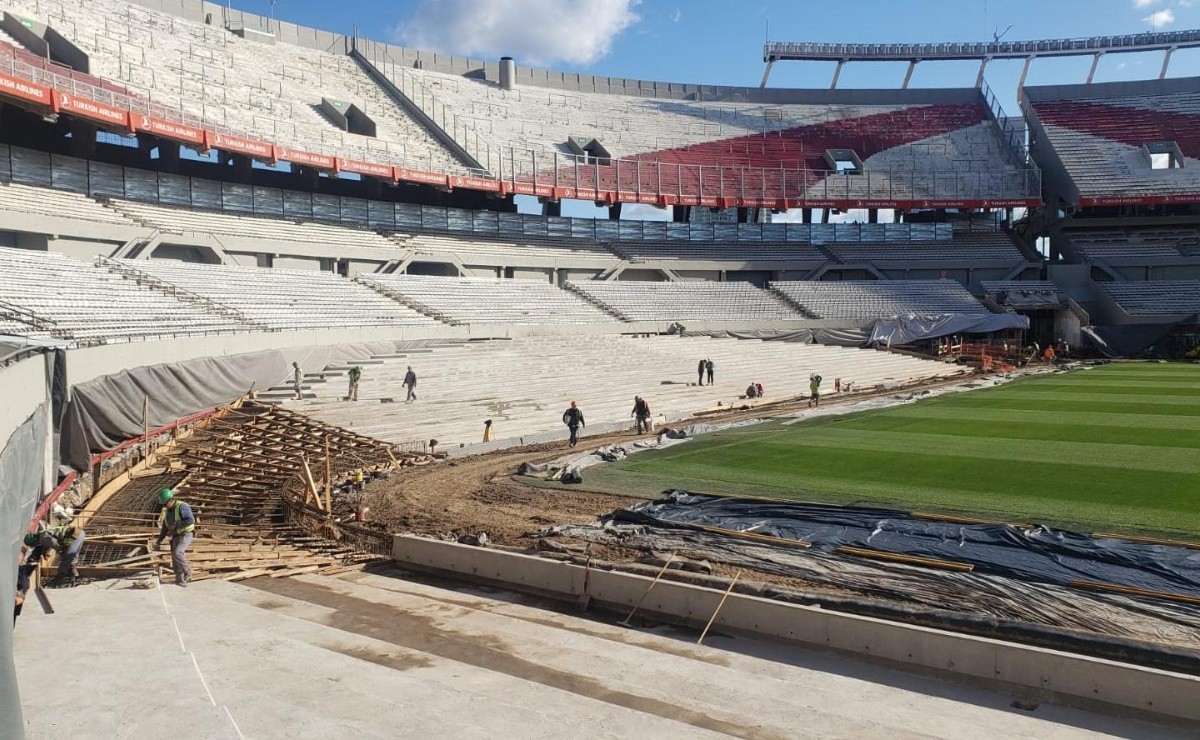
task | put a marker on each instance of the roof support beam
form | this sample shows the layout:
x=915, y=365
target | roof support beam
x=1166, y=62
x=1095, y=63
x=836, y=74
x=982, y=66
x=912, y=65
x=766, y=73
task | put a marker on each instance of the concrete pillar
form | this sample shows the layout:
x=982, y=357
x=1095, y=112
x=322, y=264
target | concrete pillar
x=1166, y=63
x=837, y=72
x=743, y=215
x=1025, y=71
x=825, y=215
x=168, y=154
x=912, y=66
x=307, y=176
x=767, y=73
x=681, y=214
x=806, y=215
x=614, y=212
x=83, y=139
x=1095, y=63
x=551, y=207
x=872, y=215
x=241, y=165
x=982, y=66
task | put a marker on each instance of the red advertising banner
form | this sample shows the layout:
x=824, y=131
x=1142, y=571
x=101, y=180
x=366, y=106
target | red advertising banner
x=381, y=171
x=1139, y=200
x=167, y=129
x=15, y=87
x=88, y=108
x=299, y=156
x=474, y=183
x=428, y=178
x=241, y=145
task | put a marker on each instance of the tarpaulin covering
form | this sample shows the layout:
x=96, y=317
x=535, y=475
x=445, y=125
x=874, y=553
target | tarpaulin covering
x=104, y=412
x=851, y=337
x=21, y=468
x=1039, y=554
x=1129, y=339
x=1031, y=299
x=911, y=328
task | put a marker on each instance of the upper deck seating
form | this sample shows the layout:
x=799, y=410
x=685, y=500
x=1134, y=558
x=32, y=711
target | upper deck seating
x=286, y=299
x=857, y=299
x=1098, y=132
x=472, y=300
x=1155, y=297
x=85, y=302
x=697, y=300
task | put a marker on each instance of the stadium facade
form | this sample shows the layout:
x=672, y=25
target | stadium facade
x=184, y=182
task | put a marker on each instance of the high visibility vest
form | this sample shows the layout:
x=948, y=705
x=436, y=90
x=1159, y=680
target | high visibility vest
x=172, y=519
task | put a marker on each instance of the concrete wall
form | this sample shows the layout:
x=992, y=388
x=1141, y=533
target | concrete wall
x=1048, y=674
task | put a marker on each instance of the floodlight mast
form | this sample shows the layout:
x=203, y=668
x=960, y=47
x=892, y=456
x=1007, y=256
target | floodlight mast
x=984, y=51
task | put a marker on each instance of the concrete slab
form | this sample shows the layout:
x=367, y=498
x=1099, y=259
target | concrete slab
x=375, y=656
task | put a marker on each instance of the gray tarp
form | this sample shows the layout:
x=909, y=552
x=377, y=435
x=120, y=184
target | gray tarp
x=832, y=337
x=1030, y=300
x=910, y=328
x=21, y=463
x=104, y=412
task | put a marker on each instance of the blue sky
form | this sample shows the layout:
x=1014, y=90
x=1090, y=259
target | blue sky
x=721, y=42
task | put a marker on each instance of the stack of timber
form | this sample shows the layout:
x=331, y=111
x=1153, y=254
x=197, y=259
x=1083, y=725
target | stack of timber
x=264, y=483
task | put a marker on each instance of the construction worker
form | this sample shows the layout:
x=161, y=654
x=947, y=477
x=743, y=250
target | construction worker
x=23, y=573
x=700, y=372
x=573, y=418
x=297, y=380
x=180, y=523
x=641, y=412
x=410, y=382
x=708, y=369
x=66, y=540
x=355, y=375
x=814, y=390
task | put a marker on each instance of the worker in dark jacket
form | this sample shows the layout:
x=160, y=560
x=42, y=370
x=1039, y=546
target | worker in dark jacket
x=410, y=382
x=573, y=418
x=179, y=523
x=355, y=375
x=708, y=368
x=641, y=412
x=66, y=540
x=700, y=371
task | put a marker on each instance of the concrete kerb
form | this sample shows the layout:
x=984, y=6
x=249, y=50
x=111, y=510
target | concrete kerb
x=1032, y=672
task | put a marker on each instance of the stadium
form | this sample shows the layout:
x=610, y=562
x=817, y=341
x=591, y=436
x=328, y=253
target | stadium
x=914, y=445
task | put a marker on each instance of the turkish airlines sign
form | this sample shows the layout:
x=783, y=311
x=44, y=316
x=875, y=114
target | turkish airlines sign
x=382, y=171
x=298, y=156
x=239, y=144
x=168, y=129
x=17, y=88
x=93, y=109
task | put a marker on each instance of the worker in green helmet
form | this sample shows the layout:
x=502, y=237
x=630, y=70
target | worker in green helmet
x=66, y=540
x=179, y=523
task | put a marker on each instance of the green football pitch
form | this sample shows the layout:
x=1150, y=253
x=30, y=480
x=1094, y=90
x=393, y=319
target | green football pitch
x=1110, y=448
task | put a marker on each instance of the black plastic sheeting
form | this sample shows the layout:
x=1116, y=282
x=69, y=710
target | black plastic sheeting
x=1039, y=554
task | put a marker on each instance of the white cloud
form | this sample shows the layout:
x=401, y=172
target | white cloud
x=678, y=14
x=1186, y=3
x=1160, y=17
x=535, y=32
x=1144, y=3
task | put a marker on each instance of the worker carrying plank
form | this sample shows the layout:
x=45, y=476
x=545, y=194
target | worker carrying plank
x=179, y=523
x=66, y=540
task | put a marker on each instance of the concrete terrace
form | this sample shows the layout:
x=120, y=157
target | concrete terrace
x=378, y=655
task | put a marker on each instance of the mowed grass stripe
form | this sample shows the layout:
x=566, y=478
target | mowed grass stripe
x=1105, y=388
x=1015, y=450
x=1058, y=491
x=1105, y=419
x=1121, y=383
x=1125, y=407
x=968, y=425
x=1054, y=394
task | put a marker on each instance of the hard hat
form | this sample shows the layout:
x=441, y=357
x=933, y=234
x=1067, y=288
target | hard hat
x=31, y=539
x=165, y=495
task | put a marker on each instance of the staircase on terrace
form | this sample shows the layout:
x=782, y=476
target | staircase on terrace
x=124, y=269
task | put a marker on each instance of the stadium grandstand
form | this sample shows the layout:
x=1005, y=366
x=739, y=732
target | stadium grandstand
x=246, y=260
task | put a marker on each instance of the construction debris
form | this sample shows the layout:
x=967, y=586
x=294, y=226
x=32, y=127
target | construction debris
x=275, y=494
